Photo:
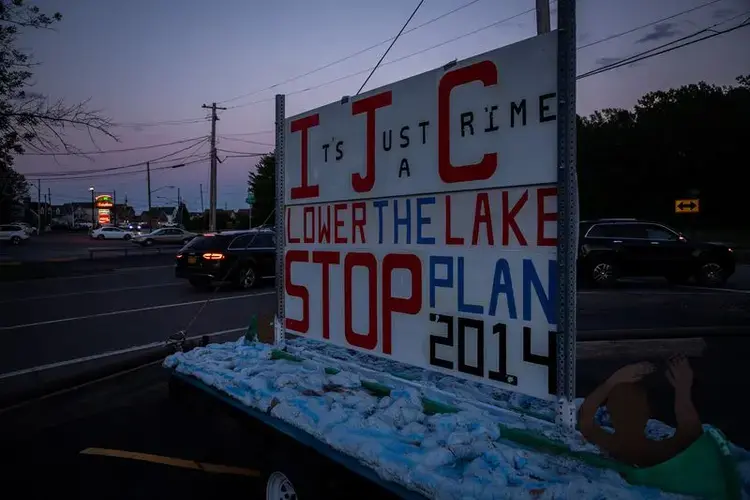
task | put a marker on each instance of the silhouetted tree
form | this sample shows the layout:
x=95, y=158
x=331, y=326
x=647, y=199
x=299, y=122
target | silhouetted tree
x=262, y=182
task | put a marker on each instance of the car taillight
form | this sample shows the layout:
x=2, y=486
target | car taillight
x=179, y=255
x=213, y=256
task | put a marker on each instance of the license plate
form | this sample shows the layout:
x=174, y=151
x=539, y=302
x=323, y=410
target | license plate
x=192, y=259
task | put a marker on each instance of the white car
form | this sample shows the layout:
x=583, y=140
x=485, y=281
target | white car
x=13, y=234
x=28, y=228
x=111, y=233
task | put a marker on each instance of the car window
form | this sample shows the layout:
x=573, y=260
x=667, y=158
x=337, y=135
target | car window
x=158, y=232
x=265, y=240
x=655, y=232
x=13, y=228
x=204, y=243
x=242, y=241
x=600, y=231
x=637, y=231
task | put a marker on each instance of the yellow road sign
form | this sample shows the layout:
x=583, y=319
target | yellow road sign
x=688, y=206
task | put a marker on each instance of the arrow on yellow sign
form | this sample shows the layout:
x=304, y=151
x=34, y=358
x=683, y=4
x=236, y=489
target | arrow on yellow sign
x=688, y=206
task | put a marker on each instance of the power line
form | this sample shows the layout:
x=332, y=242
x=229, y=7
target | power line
x=246, y=141
x=240, y=152
x=119, y=174
x=390, y=46
x=185, y=121
x=160, y=159
x=652, y=23
x=122, y=150
x=352, y=55
x=648, y=54
x=407, y=56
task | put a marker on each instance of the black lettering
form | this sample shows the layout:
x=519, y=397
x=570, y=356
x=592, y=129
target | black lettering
x=501, y=375
x=325, y=152
x=544, y=108
x=491, y=111
x=550, y=361
x=466, y=121
x=404, y=168
x=518, y=109
x=423, y=126
x=387, y=140
x=436, y=340
x=478, y=325
x=404, y=136
x=339, y=151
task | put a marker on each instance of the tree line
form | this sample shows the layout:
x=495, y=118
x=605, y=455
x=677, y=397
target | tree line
x=682, y=143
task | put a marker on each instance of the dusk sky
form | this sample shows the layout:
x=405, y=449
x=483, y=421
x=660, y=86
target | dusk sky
x=149, y=65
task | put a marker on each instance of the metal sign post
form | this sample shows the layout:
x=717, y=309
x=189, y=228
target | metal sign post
x=567, y=227
x=279, y=321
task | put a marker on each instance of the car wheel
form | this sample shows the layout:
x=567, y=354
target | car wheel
x=247, y=278
x=15, y=240
x=711, y=274
x=148, y=243
x=100, y=237
x=603, y=273
x=126, y=237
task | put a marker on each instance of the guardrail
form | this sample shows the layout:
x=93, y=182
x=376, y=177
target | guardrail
x=133, y=250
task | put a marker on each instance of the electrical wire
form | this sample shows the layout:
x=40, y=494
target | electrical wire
x=239, y=152
x=118, y=174
x=246, y=141
x=352, y=55
x=652, y=23
x=403, y=58
x=160, y=159
x=390, y=46
x=648, y=54
x=108, y=151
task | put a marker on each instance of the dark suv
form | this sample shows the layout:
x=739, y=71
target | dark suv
x=240, y=258
x=613, y=248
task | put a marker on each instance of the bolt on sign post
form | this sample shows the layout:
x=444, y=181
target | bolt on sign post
x=432, y=221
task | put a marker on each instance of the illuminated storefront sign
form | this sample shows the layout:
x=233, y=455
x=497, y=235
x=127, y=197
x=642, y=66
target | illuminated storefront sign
x=103, y=201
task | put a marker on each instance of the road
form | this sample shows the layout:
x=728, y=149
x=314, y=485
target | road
x=60, y=246
x=58, y=319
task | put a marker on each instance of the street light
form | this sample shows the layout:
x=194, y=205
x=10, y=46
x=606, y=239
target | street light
x=93, y=208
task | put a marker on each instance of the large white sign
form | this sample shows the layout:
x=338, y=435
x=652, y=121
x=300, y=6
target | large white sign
x=421, y=220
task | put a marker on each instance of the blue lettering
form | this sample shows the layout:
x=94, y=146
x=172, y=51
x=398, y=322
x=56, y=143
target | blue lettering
x=462, y=306
x=406, y=221
x=435, y=282
x=547, y=301
x=503, y=283
x=380, y=204
x=424, y=240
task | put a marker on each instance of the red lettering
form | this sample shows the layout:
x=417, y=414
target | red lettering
x=485, y=72
x=289, y=238
x=297, y=325
x=305, y=190
x=308, y=238
x=370, y=339
x=482, y=216
x=325, y=259
x=391, y=304
x=542, y=217
x=369, y=105
x=449, y=239
x=509, y=218
x=337, y=223
x=324, y=228
x=359, y=222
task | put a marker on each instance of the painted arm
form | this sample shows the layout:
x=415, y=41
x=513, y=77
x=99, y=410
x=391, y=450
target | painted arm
x=587, y=415
x=680, y=375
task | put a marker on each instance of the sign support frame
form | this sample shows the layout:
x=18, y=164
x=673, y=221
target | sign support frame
x=567, y=226
x=280, y=321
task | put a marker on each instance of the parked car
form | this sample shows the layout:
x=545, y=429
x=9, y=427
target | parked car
x=13, y=234
x=28, y=228
x=610, y=249
x=240, y=258
x=111, y=233
x=164, y=236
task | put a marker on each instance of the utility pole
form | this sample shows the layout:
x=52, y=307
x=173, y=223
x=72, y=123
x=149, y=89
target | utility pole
x=214, y=158
x=203, y=209
x=542, y=17
x=179, y=207
x=114, y=207
x=148, y=185
x=39, y=206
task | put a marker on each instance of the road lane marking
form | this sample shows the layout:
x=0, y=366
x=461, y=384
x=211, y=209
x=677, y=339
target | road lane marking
x=732, y=290
x=88, y=292
x=173, y=462
x=129, y=311
x=107, y=354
